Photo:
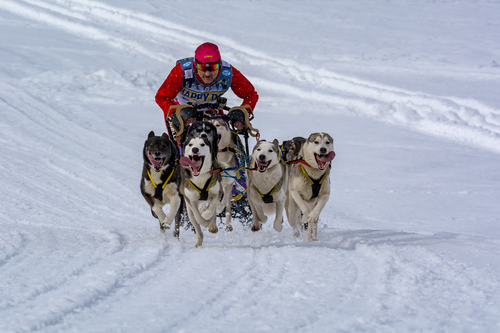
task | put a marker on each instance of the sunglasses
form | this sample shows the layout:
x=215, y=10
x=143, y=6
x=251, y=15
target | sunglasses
x=207, y=67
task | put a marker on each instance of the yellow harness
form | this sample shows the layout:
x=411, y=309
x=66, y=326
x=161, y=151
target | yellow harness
x=268, y=198
x=316, y=183
x=159, y=190
x=203, y=192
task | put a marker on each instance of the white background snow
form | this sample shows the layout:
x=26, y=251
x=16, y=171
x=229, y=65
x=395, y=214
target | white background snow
x=409, y=241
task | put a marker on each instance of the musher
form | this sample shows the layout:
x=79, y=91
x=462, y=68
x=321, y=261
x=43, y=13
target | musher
x=200, y=81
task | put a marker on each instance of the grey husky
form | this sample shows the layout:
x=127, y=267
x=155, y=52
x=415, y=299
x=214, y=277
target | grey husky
x=226, y=157
x=309, y=162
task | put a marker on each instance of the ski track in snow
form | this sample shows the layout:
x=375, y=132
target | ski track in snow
x=457, y=119
x=392, y=278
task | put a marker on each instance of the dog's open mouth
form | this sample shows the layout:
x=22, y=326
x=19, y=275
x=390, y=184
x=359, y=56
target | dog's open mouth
x=218, y=138
x=196, y=163
x=323, y=159
x=262, y=166
x=156, y=161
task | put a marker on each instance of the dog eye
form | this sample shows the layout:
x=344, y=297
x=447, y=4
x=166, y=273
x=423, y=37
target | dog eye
x=270, y=150
x=328, y=142
x=316, y=142
x=203, y=145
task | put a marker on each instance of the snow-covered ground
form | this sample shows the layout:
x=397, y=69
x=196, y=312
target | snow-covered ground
x=409, y=241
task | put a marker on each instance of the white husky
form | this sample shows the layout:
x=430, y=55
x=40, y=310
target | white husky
x=266, y=184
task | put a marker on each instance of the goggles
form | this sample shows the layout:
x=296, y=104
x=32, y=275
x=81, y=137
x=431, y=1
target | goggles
x=207, y=67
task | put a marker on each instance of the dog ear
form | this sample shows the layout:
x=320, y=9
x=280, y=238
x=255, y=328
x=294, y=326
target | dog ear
x=151, y=134
x=276, y=142
x=165, y=135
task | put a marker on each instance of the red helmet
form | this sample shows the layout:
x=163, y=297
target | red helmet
x=207, y=53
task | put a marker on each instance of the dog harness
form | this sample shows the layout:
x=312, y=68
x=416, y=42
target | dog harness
x=316, y=183
x=268, y=197
x=159, y=189
x=203, y=192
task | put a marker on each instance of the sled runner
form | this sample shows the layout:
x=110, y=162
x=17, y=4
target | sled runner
x=179, y=124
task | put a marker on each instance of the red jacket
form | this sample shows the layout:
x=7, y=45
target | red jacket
x=165, y=97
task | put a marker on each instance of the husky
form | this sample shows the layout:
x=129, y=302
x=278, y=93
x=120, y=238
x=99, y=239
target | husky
x=203, y=129
x=200, y=187
x=266, y=184
x=308, y=181
x=226, y=158
x=160, y=179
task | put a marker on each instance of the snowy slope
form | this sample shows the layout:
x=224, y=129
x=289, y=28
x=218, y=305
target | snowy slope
x=409, y=241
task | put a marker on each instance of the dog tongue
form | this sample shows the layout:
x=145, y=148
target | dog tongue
x=195, y=165
x=327, y=158
x=186, y=162
x=156, y=163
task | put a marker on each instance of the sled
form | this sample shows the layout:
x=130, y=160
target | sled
x=240, y=208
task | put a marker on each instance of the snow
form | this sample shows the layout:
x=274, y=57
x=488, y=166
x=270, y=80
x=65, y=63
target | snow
x=409, y=240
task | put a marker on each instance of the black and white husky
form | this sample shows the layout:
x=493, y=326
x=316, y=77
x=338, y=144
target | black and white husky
x=200, y=187
x=160, y=179
x=266, y=184
x=203, y=129
x=308, y=181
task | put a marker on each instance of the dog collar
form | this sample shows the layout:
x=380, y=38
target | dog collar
x=203, y=192
x=159, y=190
x=316, y=183
x=296, y=162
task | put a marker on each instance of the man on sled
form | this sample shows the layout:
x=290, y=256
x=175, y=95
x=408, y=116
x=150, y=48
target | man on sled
x=192, y=92
x=200, y=81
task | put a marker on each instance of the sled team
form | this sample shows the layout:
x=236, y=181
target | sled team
x=196, y=164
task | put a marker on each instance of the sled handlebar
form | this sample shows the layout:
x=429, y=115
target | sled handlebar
x=200, y=114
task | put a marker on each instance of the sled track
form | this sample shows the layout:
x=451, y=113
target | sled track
x=144, y=34
x=76, y=287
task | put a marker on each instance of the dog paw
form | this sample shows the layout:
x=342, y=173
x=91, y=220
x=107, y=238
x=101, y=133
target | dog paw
x=163, y=227
x=213, y=229
x=278, y=225
x=255, y=227
x=296, y=233
x=229, y=228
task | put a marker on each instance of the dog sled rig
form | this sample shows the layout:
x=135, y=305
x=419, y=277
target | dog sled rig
x=240, y=209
